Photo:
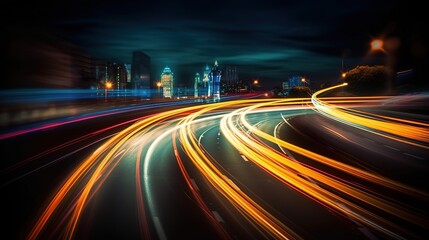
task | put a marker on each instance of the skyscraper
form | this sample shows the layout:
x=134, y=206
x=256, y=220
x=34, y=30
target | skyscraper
x=196, y=85
x=128, y=68
x=140, y=73
x=206, y=82
x=215, y=75
x=167, y=80
x=230, y=75
x=120, y=76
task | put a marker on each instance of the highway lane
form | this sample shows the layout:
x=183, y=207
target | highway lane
x=222, y=170
x=34, y=164
x=310, y=219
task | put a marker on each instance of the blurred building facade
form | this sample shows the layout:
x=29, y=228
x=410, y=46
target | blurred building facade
x=295, y=81
x=140, y=73
x=113, y=73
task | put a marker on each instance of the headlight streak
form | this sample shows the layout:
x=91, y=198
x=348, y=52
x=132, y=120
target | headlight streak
x=239, y=199
x=197, y=196
x=327, y=161
x=142, y=216
x=99, y=160
x=406, y=131
x=145, y=137
x=259, y=154
x=219, y=181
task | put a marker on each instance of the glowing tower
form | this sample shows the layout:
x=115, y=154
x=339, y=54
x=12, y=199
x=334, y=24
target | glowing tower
x=167, y=79
x=206, y=82
x=214, y=76
x=196, y=84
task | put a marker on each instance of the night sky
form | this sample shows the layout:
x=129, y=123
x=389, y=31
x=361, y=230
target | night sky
x=268, y=40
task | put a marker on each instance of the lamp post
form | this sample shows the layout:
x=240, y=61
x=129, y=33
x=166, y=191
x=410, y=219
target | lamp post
x=304, y=81
x=106, y=87
x=158, y=84
x=391, y=44
x=254, y=84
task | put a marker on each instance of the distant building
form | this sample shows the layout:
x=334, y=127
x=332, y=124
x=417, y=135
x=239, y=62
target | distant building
x=214, y=78
x=104, y=72
x=128, y=67
x=230, y=82
x=46, y=64
x=113, y=73
x=285, y=85
x=197, y=85
x=296, y=81
x=140, y=73
x=120, y=76
x=206, y=82
x=167, y=82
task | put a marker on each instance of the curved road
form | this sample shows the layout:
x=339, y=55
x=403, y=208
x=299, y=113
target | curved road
x=320, y=168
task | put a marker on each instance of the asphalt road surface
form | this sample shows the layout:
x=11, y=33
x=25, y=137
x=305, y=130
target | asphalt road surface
x=349, y=168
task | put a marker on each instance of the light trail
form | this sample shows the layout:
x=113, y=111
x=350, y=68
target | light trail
x=142, y=140
x=402, y=130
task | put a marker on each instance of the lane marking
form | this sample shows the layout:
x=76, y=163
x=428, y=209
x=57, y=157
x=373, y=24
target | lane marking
x=414, y=156
x=391, y=147
x=244, y=157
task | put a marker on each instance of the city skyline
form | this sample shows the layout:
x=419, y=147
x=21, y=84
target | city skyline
x=227, y=119
x=270, y=41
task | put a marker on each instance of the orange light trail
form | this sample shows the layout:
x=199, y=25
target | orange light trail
x=144, y=137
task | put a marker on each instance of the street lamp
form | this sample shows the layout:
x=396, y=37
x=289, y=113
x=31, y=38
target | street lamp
x=158, y=84
x=106, y=87
x=255, y=84
x=377, y=45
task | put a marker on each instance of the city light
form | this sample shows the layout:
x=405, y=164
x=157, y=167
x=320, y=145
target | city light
x=107, y=86
x=213, y=121
x=377, y=44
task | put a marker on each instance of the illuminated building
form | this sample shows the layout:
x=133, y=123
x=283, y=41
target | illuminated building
x=196, y=85
x=120, y=76
x=167, y=79
x=214, y=79
x=285, y=85
x=140, y=73
x=297, y=81
x=128, y=68
x=206, y=82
